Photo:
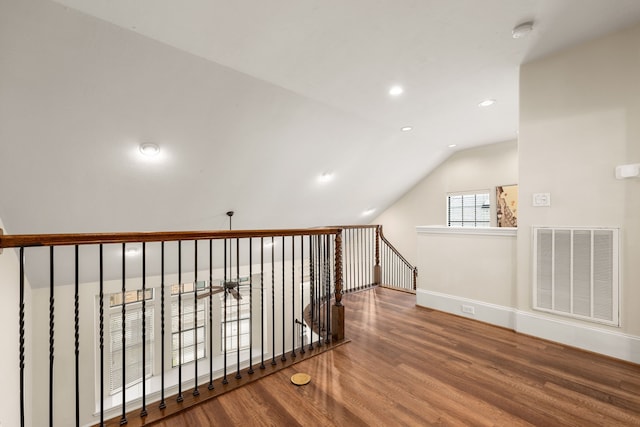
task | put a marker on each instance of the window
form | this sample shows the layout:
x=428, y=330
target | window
x=133, y=338
x=191, y=334
x=236, y=323
x=468, y=210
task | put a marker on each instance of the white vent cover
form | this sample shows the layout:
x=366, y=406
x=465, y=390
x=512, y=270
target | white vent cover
x=575, y=273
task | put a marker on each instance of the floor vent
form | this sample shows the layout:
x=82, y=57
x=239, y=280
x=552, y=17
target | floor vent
x=576, y=273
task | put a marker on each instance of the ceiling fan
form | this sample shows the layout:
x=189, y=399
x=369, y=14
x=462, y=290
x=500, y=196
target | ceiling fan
x=229, y=286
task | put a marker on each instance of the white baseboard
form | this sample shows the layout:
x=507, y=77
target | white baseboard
x=484, y=312
x=586, y=337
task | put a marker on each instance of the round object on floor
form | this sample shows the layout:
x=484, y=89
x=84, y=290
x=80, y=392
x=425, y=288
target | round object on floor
x=300, y=378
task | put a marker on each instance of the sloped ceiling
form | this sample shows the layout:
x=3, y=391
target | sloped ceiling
x=251, y=101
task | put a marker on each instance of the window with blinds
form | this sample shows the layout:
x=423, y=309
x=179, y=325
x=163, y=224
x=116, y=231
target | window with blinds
x=191, y=331
x=468, y=210
x=133, y=339
x=576, y=273
x=235, y=326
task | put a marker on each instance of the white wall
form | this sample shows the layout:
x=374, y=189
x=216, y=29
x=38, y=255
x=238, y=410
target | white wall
x=10, y=358
x=579, y=118
x=477, y=265
x=481, y=168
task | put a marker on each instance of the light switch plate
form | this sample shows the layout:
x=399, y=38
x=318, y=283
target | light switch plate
x=542, y=199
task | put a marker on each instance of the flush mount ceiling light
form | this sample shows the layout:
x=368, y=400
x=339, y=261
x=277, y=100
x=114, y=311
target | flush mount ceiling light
x=487, y=103
x=325, y=177
x=149, y=149
x=368, y=212
x=522, y=30
x=132, y=252
x=396, y=90
x=406, y=128
x=452, y=145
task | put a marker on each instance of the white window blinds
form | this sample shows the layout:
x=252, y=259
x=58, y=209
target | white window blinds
x=468, y=210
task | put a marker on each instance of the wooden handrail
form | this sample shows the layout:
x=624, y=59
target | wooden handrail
x=29, y=240
x=403, y=259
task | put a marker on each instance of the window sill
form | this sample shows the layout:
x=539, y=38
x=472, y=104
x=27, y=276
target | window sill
x=471, y=231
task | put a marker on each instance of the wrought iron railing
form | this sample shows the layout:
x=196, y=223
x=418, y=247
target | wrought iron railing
x=219, y=308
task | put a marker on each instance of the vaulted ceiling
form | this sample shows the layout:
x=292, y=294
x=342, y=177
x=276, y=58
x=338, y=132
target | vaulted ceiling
x=251, y=101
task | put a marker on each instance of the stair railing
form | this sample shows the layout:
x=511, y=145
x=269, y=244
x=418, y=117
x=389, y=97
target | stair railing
x=231, y=301
x=211, y=304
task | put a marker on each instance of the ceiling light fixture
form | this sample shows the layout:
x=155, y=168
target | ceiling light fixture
x=368, y=212
x=452, y=145
x=131, y=252
x=325, y=177
x=487, y=103
x=406, y=128
x=522, y=30
x=396, y=90
x=149, y=149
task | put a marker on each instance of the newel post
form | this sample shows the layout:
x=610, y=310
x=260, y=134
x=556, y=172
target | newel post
x=337, y=311
x=377, y=269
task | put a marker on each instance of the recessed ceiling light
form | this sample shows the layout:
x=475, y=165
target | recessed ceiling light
x=406, y=128
x=487, y=103
x=368, y=212
x=325, y=177
x=522, y=30
x=396, y=90
x=452, y=145
x=132, y=252
x=149, y=149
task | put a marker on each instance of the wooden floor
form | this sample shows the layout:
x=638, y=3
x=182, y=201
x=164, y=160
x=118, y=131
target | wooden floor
x=412, y=366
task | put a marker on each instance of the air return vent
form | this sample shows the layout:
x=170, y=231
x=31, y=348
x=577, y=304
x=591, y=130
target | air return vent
x=576, y=273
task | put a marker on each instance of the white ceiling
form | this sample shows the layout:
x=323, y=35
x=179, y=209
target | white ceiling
x=251, y=100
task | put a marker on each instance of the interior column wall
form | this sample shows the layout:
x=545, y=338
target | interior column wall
x=580, y=117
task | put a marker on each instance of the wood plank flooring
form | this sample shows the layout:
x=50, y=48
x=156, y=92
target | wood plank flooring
x=410, y=366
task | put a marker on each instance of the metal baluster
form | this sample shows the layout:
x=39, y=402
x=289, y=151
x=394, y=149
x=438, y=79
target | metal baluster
x=318, y=288
x=180, y=397
x=311, y=290
x=283, y=357
x=210, y=387
x=76, y=321
x=163, y=404
x=328, y=288
x=101, y=337
x=51, y=338
x=302, y=294
x=250, y=371
x=22, y=391
x=293, y=296
x=196, y=392
x=352, y=254
x=224, y=312
x=123, y=418
x=273, y=304
x=238, y=376
x=143, y=412
x=368, y=256
x=359, y=261
x=262, y=303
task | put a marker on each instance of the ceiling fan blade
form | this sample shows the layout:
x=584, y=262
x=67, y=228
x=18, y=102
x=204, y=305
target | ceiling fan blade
x=213, y=291
x=235, y=293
